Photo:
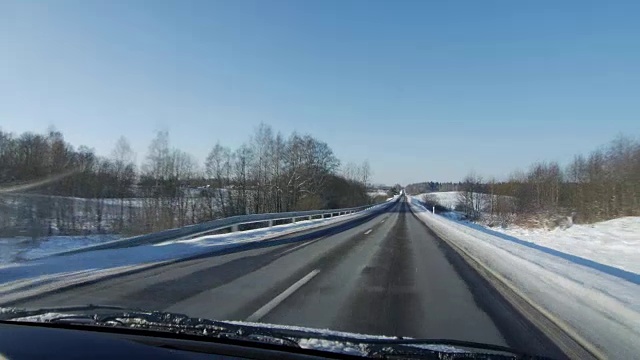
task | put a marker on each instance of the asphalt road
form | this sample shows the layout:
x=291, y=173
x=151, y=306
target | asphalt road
x=387, y=276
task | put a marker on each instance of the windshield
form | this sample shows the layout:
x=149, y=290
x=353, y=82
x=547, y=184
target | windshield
x=452, y=172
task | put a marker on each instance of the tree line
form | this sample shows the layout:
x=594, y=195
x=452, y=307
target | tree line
x=602, y=185
x=268, y=173
x=432, y=186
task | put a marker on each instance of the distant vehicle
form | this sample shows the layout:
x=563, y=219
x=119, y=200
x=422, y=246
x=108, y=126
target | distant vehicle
x=97, y=332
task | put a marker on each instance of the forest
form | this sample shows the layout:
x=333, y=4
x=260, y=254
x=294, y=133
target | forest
x=602, y=185
x=48, y=186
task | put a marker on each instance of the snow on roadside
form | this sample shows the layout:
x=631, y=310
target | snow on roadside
x=615, y=242
x=595, y=306
x=341, y=345
x=450, y=199
x=16, y=249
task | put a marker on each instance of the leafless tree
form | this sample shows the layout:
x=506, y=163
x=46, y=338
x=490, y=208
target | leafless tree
x=124, y=169
x=470, y=198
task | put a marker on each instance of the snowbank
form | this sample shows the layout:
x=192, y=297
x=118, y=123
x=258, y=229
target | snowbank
x=24, y=248
x=614, y=242
x=600, y=309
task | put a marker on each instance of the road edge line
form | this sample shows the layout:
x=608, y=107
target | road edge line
x=503, y=286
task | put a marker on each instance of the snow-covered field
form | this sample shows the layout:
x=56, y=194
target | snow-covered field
x=598, y=304
x=22, y=279
x=378, y=192
x=448, y=199
x=24, y=248
x=615, y=242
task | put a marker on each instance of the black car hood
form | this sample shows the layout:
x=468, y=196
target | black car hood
x=303, y=337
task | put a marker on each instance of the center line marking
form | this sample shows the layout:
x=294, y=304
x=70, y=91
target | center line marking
x=382, y=221
x=368, y=232
x=260, y=313
x=299, y=246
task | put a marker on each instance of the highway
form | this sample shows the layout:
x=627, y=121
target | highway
x=387, y=276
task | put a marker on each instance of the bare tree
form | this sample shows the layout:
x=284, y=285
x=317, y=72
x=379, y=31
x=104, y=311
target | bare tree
x=123, y=159
x=218, y=169
x=470, y=198
x=243, y=157
x=365, y=170
x=270, y=173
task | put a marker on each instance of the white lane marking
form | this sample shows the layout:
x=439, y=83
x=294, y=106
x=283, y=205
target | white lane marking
x=260, y=313
x=368, y=232
x=382, y=221
x=299, y=246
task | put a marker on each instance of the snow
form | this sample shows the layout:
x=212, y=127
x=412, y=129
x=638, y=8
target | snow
x=615, y=242
x=377, y=192
x=28, y=278
x=16, y=249
x=340, y=346
x=50, y=209
x=448, y=199
x=597, y=304
x=43, y=317
x=333, y=346
x=326, y=332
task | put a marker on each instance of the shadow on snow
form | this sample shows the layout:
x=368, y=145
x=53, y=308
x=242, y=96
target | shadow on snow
x=610, y=270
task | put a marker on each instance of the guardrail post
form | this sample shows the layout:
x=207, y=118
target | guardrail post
x=270, y=223
x=309, y=217
x=234, y=228
x=293, y=220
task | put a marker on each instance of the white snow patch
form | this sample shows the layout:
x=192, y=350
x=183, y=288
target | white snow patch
x=333, y=346
x=336, y=346
x=615, y=242
x=310, y=330
x=24, y=248
x=43, y=317
x=453, y=215
x=448, y=199
x=377, y=192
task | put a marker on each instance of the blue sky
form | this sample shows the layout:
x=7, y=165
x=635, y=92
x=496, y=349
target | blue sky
x=422, y=89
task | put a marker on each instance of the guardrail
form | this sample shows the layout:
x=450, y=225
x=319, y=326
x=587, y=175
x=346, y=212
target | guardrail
x=232, y=223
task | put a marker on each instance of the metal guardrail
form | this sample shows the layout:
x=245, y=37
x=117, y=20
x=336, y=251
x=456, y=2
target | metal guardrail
x=232, y=223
